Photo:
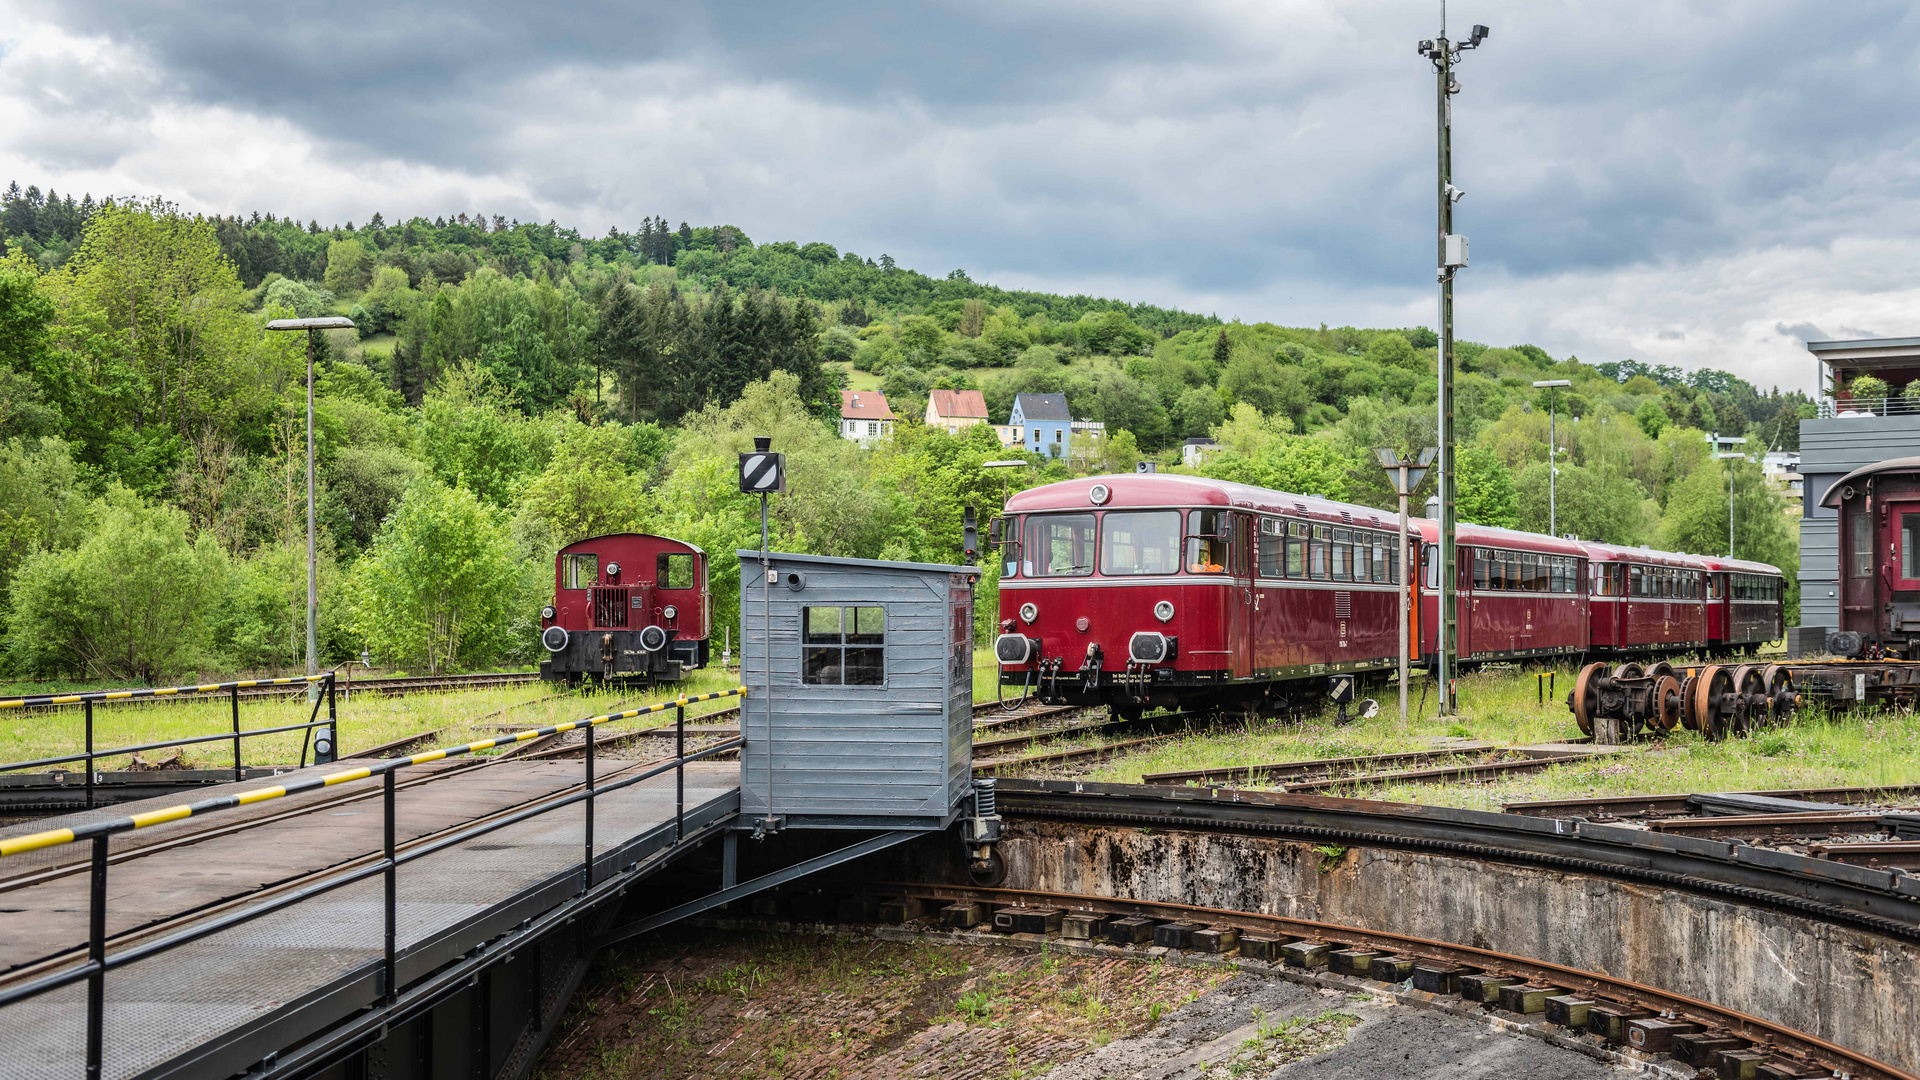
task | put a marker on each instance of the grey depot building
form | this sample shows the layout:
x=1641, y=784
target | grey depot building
x=1850, y=431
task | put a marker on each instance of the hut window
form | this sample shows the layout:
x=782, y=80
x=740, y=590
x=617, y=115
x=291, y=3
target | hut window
x=673, y=571
x=579, y=571
x=844, y=646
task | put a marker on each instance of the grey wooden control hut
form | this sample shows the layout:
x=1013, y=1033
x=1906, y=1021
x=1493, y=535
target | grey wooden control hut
x=861, y=714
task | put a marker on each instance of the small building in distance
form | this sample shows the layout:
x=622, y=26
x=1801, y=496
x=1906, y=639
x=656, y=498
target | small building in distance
x=865, y=417
x=1045, y=421
x=1084, y=428
x=1194, y=451
x=955, y=410
x=1011, y=434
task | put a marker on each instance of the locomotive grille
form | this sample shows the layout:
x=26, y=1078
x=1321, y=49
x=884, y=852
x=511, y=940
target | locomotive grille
x=1343, y=605
x=609, y=608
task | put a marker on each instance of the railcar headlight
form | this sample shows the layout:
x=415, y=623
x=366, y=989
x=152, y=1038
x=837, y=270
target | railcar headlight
x=1028, y=613
x=547, y=612
x=671, y=612
x=1163, y=611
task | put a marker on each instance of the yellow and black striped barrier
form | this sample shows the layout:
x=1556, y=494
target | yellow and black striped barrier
x=158, y=691
x=56, y=837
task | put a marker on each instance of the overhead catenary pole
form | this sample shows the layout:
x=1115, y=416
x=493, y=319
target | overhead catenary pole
x=1452, y=255
x=1553, y=449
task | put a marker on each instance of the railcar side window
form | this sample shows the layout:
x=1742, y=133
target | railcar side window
x=1296, y=549
x=1140, y=542
x=673, y=570
x=1272, y=541
x=1910, y=545
x=1317, y=554
x=1208, y=544
x=1380, y=558
x=579, y=571
x=1429, y=566
x=1058, y=545
x=1362, y=565
x=1342, y=554
x=844, y=646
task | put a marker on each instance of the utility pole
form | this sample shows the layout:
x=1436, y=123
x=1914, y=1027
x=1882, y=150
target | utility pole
x=1553, y=446
x=1405, y=473
x=313, y=328
x=1453, y=255
x=1717, y=440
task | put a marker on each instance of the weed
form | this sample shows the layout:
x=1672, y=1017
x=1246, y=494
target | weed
x=1330, y=856
x=975, y=1005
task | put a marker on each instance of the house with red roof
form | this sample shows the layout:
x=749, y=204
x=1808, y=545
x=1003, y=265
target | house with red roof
x=865, y=416
x=955, y=409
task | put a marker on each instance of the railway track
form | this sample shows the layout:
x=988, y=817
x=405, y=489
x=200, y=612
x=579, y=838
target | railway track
x=1626, y=807
x=411, y=684
x=1575, y=1000
x=1320, y=774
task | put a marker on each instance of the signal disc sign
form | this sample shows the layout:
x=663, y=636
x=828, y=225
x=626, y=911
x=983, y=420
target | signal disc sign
x=763, y=473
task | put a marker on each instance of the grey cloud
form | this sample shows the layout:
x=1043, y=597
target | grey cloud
x=1801, y=332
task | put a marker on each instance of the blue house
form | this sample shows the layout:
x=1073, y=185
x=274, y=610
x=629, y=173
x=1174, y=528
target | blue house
x=1045, y=421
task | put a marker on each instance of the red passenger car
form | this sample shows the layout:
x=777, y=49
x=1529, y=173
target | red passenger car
x=1519, y=594
x=1646, y=601
x=626, y=606
x=1164, y=590
x=1745, y=604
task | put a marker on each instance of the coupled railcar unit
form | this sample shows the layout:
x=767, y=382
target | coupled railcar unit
x=626, y=606
x=1154, y=590
x=1879, y=507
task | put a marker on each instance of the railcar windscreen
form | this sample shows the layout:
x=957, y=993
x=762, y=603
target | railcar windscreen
x=1058, y=545
x=1140, y=542
x=1207, y=544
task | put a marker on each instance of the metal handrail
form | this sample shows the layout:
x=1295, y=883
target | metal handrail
x=100, y=833
x=325, y=680
x=1892, y=405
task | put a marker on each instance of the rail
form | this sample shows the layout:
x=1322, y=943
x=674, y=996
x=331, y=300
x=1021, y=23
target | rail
x=325, y=681
x=100, y=833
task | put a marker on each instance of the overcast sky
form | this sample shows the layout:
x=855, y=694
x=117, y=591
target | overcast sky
x=1702, y=184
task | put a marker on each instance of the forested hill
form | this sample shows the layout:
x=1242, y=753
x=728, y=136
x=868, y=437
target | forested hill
x=47, y=228
x=510, y=388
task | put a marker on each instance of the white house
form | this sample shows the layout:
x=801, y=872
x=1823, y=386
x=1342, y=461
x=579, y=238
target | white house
x=865, y=416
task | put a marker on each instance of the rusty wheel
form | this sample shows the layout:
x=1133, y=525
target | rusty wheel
x=1666, y=704
x=1781, y=699
x=1586, y=696
x=1748, y=688
x=1628, y=670
x=1687, y=718
x=1654, y=671
x=1713, y=702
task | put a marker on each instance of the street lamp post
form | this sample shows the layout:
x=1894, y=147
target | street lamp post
x=1553, y=445
x=1718, y=440
x=1405, y=473
x=313, y=328
x=1453, y=255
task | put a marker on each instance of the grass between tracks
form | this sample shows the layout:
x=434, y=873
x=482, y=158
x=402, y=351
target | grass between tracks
x=366, y=719
x=1501, y=706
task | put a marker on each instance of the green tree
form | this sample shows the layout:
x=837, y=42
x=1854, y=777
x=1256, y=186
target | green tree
x=1483, y=490
x=1197, y=412
x=1651, y=418
x=41, y=505
x=474, y=437
x=439, y=586
x=130, y=602
x=349, y=266
x=594, y=483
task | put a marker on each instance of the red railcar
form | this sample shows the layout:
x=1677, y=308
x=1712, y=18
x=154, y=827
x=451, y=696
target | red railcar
x=626, y=606
x=1745, y=604
x=1646, y=601
x=1519, y=595
x=1155, y=589
x=1879, y=508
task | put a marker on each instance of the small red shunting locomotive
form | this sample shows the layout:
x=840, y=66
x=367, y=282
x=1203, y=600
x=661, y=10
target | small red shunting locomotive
x=626, y=606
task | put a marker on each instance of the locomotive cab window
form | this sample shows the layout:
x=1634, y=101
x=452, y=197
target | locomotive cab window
x=1140, y=542
x=673, y=570
x=843, y=646
x=1058, y=545
x=579, y=571
x=1209, y=549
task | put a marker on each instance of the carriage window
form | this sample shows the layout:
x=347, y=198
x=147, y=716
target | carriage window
x=1058, y=545
x=1860, y=544
x=1429, y=566
x=1208, y=549
x=673, y=571
x=1380, y=546
x=844, y=646
x=1296, y=549
x=1342, y=554
x=1480, y=569
x=1317, y=561
x=1140, y=543
x=1272, y=545
x=579, y=571
x=1361, y=563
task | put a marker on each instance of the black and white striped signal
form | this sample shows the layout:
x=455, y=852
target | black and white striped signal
x=763, y=472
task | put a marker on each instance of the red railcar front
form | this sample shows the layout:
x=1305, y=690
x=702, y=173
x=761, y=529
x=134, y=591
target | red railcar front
x=1152, y=589
x=626, y=606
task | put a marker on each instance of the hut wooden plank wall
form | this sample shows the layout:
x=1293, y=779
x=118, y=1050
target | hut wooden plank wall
x=863, y=716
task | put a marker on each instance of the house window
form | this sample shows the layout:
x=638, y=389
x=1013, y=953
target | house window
x=579, y=571
x=873, y=427
x=844, y=646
